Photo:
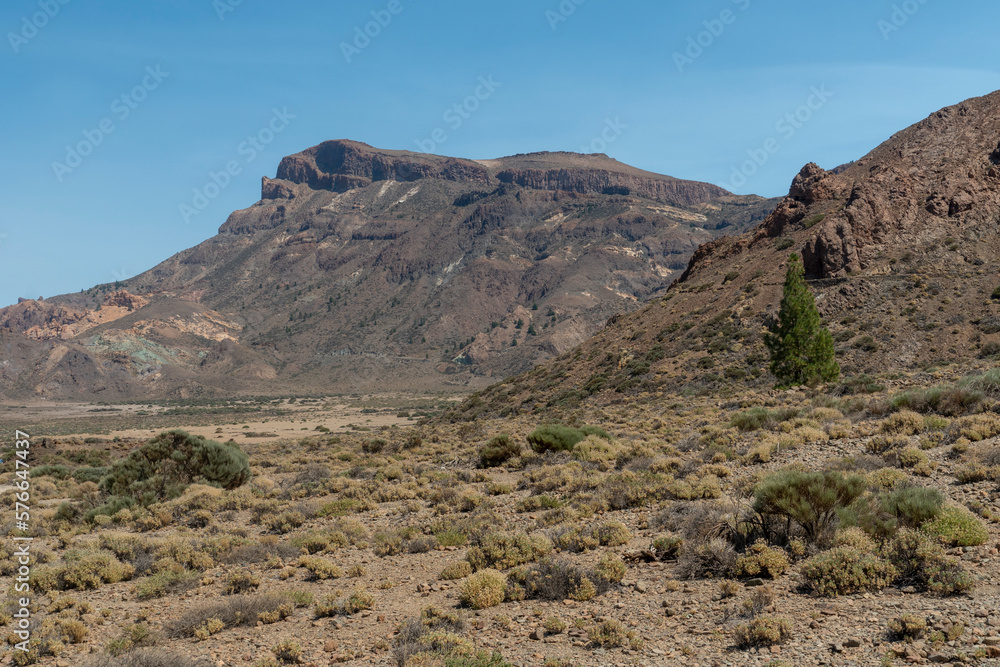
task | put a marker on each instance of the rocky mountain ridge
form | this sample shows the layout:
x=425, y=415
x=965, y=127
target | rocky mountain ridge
x=360, y=266
x=902, y=251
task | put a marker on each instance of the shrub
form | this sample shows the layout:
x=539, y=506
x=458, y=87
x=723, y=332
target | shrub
x=233, y=611
x=321, y=568
x=137, y=635
x=905, y=422
x=498, y=450
x=975, y=427
x=763, y=631
x=920, y=560
x=240, y=581
x=612, y=634
x=163, y=466
x=584, y=538
x=908, y=626
x=553, y=579
x=503, y=551
x=140, y=658
x=555, y=437
x=811, y=499
x=758, y=418
x=666, y=548
x=761, y=560
x=611, y=569
x=287, y=652
x=594, y=449
x=715, y=558
x=358, y=600
x=388, y=545
x=459, y=570
x=855, y=538
x=950, y=401
x=554, y=625
x=484, y=589
x=164, y=583
x=957, y=527
x=845, y=570
x=882, y=515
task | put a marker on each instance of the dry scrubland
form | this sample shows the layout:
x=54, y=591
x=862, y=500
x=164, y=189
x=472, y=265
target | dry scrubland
x=848, y=525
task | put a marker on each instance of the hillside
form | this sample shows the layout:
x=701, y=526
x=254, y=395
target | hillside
x=902, y=251
x=362, y=266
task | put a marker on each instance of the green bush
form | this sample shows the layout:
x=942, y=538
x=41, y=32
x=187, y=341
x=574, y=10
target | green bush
x=957, y=527
x=165, y=465
x=920, y=560
x=811, y=499
x=556, y=437
x=758, y=418
x=58, y=471
x=110, y=508
x=883, y=514
x=88, y=474
x=950, y=401
x=498, y=450
x=845, y=570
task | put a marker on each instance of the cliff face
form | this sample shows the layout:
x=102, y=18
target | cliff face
x=339, y=166
x=684, y=193
x=943, y=173
x=361, y=267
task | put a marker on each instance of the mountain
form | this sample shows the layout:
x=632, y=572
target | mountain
x=365, y=269
x=902, y=251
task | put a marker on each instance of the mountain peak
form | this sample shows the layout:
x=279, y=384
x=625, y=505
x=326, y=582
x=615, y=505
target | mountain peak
x=342, y=165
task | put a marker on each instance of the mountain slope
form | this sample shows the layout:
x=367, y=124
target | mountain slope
x=902, y=249
x=363, y=268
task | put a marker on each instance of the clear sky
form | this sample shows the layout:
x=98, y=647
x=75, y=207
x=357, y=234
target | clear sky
x=114, y=113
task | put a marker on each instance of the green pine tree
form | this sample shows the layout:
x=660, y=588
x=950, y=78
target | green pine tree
x=801, y=347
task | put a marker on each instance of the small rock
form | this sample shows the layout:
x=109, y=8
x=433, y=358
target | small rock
x=537, y=634
x=852, y=643
x=641, y=587
x=753, y=582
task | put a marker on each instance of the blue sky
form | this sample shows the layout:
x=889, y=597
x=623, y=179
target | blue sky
x=162, y=95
